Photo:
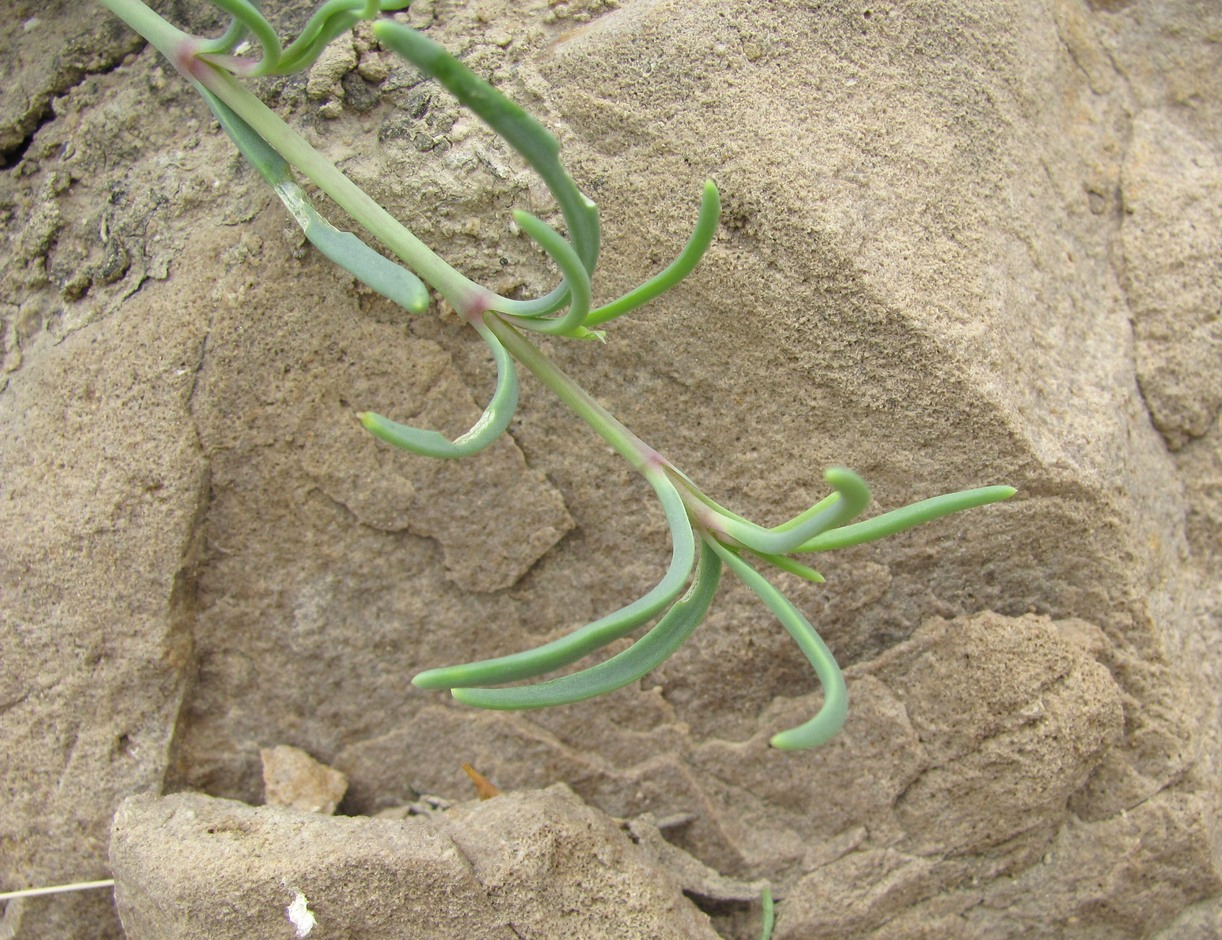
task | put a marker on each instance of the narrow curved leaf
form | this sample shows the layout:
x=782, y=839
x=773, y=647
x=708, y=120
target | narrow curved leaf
x=391, y=280
x=330, y=20
x=223, y=44
x=897, y=520
x=785, y=563
x=697, y=244
x=576, y=276
x=522, y=132
x=831, y=715
x=592, y=636
x=487, y=429
x=254, y=23
x=852, y=496
x=645, y=654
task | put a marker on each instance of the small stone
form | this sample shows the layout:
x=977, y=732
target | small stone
x=327, y=74
x=373, y=68
x=295, y=780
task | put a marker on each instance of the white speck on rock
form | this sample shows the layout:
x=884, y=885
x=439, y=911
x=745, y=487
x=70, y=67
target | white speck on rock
x=300, y=915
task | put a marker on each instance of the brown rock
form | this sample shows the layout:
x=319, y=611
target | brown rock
x=530, y=863
x=292, y=779
x=965, y=244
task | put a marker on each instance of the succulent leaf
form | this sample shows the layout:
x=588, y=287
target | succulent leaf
x=647, y=653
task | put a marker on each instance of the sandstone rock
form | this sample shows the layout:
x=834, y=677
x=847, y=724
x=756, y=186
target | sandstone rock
x=553, y=867
x=961, y=245
x=540, y=864
x=1172, y=239
x=99, y=540
x=192, y=866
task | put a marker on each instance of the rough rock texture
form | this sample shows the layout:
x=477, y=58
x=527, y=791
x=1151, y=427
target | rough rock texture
x=533, y=864
x=47, y=49
x=963, y=243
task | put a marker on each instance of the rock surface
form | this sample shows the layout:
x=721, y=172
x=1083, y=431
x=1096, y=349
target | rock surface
x=537, y=864
x=961, y=245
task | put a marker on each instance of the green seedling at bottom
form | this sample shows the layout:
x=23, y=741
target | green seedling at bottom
x=706, y=538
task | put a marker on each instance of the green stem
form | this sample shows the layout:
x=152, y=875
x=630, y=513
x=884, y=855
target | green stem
x=639, y=454
x=769, y=918
x=466, y=296
x=461, y=292
x=166, y=38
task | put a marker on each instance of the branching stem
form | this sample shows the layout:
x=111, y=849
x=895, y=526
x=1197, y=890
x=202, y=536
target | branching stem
x=705, y=536
x=639, y=454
